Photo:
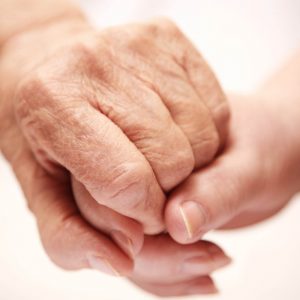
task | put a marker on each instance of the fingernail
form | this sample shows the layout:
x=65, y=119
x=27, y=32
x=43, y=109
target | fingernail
x=200, y=289
x=101, y=264
x=193, y=218
x=219, y=256
x=221, y=260
x=124, y=242
x=204, y=264
x=197, y=265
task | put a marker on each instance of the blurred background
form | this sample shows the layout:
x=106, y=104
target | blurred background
x=244, y=42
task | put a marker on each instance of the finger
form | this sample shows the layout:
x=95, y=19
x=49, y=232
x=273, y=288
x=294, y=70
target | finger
x=169, y=81
x=198, y=72
x=145, y=120
x=163, y=261
x=68, y=240
x=208, y=89
x=175, y=262
x=126, y=232
x=211, y=197
x=252, y=217
x=92, y=148
x=192, y=116
x=200, y=286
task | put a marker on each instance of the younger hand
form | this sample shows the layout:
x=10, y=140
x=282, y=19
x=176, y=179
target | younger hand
x=254, y=178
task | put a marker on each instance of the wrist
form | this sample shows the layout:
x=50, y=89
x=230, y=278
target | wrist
x=285, y=111
x=27, y=49
x=282, y=92
x=20, y=16
x=276, y=138
x=23, y=52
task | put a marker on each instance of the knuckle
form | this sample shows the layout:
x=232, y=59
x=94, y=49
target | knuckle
x=82, y=55
x=184, y=163
x=28, y=95
x=168, y=152
x=174, y=167
x=166, y=24
x=127, y=185
x=137, y=40
x=206, y=146
x=158, y=27
x=33, y=104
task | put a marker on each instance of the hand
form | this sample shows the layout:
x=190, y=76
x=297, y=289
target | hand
x=130, y=111
x=161, y=266
x=254, y=178
x=166, y=268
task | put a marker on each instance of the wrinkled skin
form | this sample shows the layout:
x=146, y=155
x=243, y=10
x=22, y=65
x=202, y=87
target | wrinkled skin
x=128, y=111
x=68, y=117
x=247, y=183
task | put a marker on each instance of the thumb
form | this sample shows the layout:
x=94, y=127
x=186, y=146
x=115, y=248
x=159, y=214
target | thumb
x=211, y=197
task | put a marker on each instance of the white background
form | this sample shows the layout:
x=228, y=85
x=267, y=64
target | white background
x=244, y=41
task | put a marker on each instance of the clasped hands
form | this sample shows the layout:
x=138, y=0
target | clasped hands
x=122, y=144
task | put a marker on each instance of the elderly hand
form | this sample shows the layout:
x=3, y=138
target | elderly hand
x=130, y=111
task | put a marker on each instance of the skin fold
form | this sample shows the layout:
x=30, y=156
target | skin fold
x=98, y=108
x=124, y=132
x=161, y=266
x=73, y=115
x=247, y=183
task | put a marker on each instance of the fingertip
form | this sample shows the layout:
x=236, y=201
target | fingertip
x=129, y=238
x=202, y=285
x=209, y=289
x=156, y=227
x=76, y=245
x=142, y=202
x=185, y=221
